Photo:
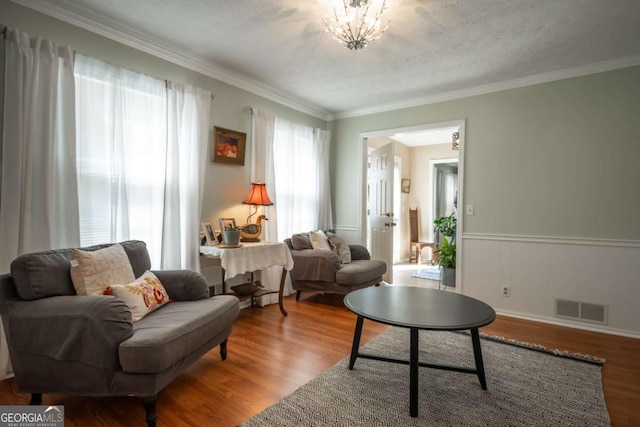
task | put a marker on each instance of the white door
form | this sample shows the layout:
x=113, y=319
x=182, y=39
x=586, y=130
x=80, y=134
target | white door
x=381, y=213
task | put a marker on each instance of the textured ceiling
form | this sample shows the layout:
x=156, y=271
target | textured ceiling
x=432, y=46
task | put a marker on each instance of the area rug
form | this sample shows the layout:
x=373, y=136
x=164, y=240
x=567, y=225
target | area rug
x=526, y=387
x=431, y=273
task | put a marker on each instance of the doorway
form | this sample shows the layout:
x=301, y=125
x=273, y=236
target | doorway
x=444, y=195
x=416, y=150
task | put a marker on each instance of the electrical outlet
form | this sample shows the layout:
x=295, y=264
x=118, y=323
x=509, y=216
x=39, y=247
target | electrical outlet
x=506, y=291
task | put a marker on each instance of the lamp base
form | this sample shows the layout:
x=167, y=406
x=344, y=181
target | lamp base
x=247, y=239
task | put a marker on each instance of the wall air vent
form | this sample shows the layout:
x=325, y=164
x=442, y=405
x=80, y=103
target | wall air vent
x=582, y=311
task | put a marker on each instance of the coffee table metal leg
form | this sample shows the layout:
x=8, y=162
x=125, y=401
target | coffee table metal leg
x=477, y=354
x=356, y=342
x=413, y=374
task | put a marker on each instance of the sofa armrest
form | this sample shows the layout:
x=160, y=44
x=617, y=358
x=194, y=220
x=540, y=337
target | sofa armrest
x=315, y=264
x=184, y=285
x=359, y=252
x=86, y=329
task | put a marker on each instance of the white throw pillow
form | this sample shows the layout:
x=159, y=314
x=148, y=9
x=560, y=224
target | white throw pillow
x=93, y=271
x=143, y=295
x=319, y=240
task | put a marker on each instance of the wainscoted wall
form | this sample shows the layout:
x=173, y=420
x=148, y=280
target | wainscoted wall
x=541, y=269
x=351, y=234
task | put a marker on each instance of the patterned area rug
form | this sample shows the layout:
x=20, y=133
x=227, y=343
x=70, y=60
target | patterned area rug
x=525, y=388
x=431, y=273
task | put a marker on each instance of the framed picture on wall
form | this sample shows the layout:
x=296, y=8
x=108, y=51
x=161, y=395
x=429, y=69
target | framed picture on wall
x=406, y=185
x=228, y=146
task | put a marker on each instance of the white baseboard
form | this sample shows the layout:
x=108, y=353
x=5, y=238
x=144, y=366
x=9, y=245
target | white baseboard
x=569, y=324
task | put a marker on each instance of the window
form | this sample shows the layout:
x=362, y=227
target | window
x=301, y=164
x=121, y=122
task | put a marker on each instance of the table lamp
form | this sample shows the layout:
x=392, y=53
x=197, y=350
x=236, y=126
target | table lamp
x=257, y=197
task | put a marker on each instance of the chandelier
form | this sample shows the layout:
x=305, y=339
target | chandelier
x=357, y=23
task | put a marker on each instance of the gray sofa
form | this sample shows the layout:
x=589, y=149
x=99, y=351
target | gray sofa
x=320, y=269
x=63, y=343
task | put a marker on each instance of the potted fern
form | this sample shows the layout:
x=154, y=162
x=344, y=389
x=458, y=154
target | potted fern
x=446, y=250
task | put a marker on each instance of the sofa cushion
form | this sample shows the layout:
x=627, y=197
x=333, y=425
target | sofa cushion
x=360, y=271
x=173, y=331
x=43, y=274
x=143, y=295
x=301, y=241
x=319, y=240
x=46, y=274
x=93, y=271
x=340, y=247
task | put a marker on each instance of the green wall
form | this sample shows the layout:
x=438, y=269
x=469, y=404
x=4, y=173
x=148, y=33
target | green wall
x=225, y=185
x=556, y=159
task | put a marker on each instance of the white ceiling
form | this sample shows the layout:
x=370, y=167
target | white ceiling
x=433, y=48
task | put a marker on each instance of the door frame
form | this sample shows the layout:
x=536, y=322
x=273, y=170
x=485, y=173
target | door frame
x=364, y=136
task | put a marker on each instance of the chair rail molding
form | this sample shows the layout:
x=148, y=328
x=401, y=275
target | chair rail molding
x=350, y=233
x=552, y=239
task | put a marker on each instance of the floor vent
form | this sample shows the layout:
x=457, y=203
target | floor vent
x=583, y=311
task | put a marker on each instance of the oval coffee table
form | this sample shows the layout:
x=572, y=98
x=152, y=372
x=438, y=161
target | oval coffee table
x=419, y=308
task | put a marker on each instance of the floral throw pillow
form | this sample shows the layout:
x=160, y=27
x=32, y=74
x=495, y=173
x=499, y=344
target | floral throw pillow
x=143, y=295
x=340, y=247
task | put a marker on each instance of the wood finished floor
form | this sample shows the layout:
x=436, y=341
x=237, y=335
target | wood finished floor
x=270, y=356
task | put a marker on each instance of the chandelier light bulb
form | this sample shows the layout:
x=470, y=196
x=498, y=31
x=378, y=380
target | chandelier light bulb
x=356, y=24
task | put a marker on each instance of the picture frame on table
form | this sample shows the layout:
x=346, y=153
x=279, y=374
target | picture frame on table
x=226, y=222
x=209, y=234
x=228, y=146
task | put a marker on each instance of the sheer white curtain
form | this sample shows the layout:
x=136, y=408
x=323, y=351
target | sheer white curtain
x=188, y=133
x=322, y=148
x=262, y=163
x=122, y=138
x=140, y=153
x=262, y=169
x=302, y=178
x=38, y=190
x=39, y=203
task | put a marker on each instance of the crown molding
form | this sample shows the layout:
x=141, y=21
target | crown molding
x=130, y=37
x=583, y=70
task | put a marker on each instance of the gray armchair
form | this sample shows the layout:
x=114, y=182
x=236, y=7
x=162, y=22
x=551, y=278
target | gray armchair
x=321, y=270
x=64, y=343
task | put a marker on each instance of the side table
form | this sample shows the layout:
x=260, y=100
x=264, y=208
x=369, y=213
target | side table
x=250, y=257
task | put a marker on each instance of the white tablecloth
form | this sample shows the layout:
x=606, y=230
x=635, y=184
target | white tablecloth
x=250, y=257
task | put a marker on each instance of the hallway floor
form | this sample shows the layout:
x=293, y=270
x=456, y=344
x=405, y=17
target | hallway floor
x=402, y=276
